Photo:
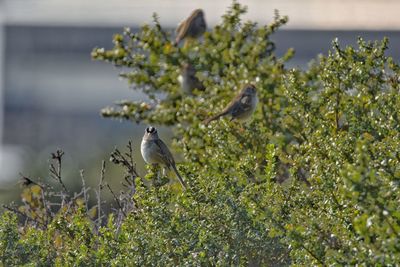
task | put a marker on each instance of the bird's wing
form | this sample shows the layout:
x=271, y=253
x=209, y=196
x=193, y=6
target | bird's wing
x=241, y=104
x=182, y=29
x=185, y=25
x=164, y=153
x=180, y=25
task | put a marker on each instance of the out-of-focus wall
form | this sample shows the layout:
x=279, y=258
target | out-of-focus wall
x=9, y=160
x=51, y=91
x=1, y=72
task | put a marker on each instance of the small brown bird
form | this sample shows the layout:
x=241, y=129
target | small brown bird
x=188, y=79
x=193, y=27
x=155, y=151
x=241, y=107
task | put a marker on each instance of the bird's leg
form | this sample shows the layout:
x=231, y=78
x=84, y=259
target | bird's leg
x=164, y=175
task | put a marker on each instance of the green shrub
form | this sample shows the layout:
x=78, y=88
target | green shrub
x=313, y=179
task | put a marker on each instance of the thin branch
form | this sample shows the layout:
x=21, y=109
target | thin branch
x=56, y=172
x=337, y=108
x=391, y=226
x=302, y=176
x=264, y=113
x=14, y=210
x=26, y=181
x=46, y=206
x=84, y=190
x=313, y=255
x=102, y=177
x=116, y=200
x=126, y=160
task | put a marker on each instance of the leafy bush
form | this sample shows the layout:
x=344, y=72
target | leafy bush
x=313, y=179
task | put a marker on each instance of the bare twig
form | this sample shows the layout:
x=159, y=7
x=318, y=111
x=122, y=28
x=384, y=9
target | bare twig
x=26, y=216
x=126, y=160
x=56, y=172
x=43, y=214
x=116, y=200
x=302, y=175
x=46, y=205
x=84, y=190
x=337, y=106
x=27, y=181
x=98, y=192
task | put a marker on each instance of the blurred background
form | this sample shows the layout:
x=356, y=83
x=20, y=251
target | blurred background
x=51, y=91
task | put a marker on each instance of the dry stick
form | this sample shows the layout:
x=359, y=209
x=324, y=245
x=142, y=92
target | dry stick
x=85, y=196
x=26, y=181
x=313, y=255
x=49, y=213
x=337, y=108
x=391, y=226
x=132, y=167
x=128, y=199
x=126, y=160
x=302, y=177
x=56, y=173
x=116, y=199
x=100, y=216
x=27, y=217
x=130, y=184
x=301, y=245
x=103, y=170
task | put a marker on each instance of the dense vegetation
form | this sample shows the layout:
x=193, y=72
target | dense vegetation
x=313, y=179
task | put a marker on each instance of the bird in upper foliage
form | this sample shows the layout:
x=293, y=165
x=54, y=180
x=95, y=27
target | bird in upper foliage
x=188, y=79
x=155, y=151
x=241, y=107
x=193, y=27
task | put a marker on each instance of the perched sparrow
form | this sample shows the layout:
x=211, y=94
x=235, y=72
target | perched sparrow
x=155, y=151
x=188, y=79
x=194, y=26
x=241, y=107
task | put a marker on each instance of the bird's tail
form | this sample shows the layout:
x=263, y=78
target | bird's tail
x=179, y=176
x=213, y=118
x=178, y=39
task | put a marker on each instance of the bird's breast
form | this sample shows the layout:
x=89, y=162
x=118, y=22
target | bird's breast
x=146, y=151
